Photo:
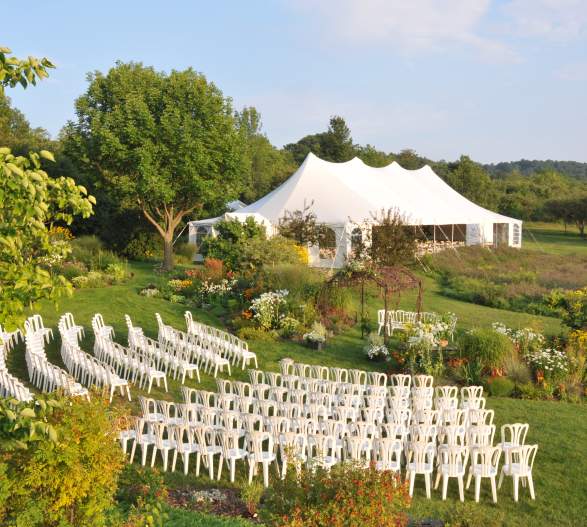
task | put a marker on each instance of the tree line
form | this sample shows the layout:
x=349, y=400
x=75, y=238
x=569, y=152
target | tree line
x=157, y=149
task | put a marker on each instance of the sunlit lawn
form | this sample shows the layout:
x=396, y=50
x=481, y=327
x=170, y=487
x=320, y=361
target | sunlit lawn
x=559, y=428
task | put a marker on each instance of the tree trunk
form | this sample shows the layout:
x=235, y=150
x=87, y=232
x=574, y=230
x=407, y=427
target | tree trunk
x=581, y=227
x=168, y=251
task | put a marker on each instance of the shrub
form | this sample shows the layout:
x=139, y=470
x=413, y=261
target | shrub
x=500, y=386
x=486, y=347
x=143, y=246
x=72, y=270
x=230, y=241
x=572, y=305
x=259, y=253
x=471, y=515
x=301, y=281
x=251, y=494
x=517, y=371
x=142, y=492
x=87, y=245
x=348, y=495
x=68, y=483
x=376, y=348
x=268, y=309
x=288, y=327
x=116, y=272
x=185, y=252
x=248, y=333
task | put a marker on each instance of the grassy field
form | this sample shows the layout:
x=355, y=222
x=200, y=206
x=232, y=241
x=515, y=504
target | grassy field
x=560, y=429
x=552, y=238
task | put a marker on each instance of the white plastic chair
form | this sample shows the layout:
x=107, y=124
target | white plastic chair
x=484, y=464
x=519, y=467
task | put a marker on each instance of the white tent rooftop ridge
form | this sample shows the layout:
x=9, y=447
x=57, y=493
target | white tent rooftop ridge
x=350, y=193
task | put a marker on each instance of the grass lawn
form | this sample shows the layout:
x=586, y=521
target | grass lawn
x=552, y=238
x=559, y=428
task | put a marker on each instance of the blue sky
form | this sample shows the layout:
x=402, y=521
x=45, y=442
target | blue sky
x=497, y=80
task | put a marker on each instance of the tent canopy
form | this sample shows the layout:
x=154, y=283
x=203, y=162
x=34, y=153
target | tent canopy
x=353, y=191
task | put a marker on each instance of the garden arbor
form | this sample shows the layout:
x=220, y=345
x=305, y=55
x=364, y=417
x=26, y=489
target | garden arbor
x=391, y=280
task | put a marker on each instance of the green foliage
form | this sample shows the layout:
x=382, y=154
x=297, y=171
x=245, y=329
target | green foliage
x=232, y=238
x=392, y=242
x=143, y=494
x=302, y=282
x=69, y=482
x=336, y=144
x=485, y=347
x=301, y=226
x=251, y=494
x=500, y=386
x=258, y=334
x=15, y=71
x=571, y=210
x=507, y=278
x=260, y=253
x=266, y=167
x=168, y=142
x=30, y=201
x=347, y=495
x=143, y=246
x=572, y=306
x=469, y=514
x=16, y=133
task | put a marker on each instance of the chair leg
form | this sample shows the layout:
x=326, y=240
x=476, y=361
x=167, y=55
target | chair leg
x=461, y=490
x=153, y=456
x=251, y=468
x=477, y=488
x=412, y=478
x=232, y=469
x=427, y=481
x=198, y=461
x=266, y=474
x=174, y=461
x=132, y=450
x=220, y=462
x=531, y=486
x=144, y=450
x=493, y=489
x=501, y=474
x=211, y=466
x=516, y=483
x=165, y=455
x=444, y=486
x=437, y=482
x=469, y=476
x=164, y=383
x=186, y=463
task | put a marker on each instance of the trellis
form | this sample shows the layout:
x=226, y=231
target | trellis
x=390, y=280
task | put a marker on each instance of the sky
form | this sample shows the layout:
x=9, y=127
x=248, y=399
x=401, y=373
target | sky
x=496, y=80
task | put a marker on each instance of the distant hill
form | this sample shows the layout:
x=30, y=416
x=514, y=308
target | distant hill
x=525, y=166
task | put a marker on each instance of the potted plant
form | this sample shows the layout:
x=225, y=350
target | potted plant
x=316, y=337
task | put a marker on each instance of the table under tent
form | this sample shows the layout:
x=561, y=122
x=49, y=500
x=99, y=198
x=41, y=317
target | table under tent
x=346, y=198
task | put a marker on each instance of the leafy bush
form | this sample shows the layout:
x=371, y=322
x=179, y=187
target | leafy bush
x=89, y=251
x=142, y=493
x=348, y=495
x=269, y=308
x=251, y=494
x=301, y=281
x=116, y=272
x=249, y=333
x=143, y=246
x=517, y=371
x=67, y=483
x=486, y=347
x=185, y=251
x=72, y=270
x=259, y=253
x=469, y=514
x=231, y=240
x=572, y=305
x=500, y=386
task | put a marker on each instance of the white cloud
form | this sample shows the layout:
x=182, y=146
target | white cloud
x=559, y=20
x=408, y=25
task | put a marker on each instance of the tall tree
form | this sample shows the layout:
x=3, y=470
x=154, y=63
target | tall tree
x=266, y=167
x=336, y=144
x=470, y=179
x=166, y=142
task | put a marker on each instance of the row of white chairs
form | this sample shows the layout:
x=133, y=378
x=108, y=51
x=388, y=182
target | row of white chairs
x=44, y=375
x=330, y=441
x=227, y=345
x=132, y=365
x=398, y=319
x=88, y=370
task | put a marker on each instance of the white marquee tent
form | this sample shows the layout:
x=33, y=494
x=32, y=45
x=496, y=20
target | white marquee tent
x=345, y=196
